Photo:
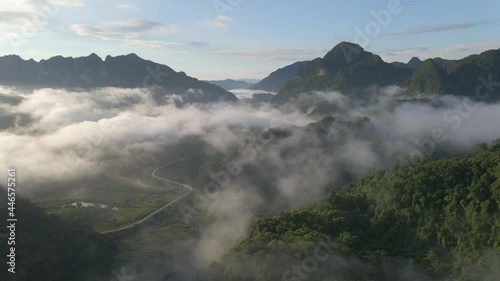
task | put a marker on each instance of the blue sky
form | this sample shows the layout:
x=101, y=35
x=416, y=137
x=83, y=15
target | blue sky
x=218, y=39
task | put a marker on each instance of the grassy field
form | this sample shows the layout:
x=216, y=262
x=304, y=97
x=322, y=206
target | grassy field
x=123, y=206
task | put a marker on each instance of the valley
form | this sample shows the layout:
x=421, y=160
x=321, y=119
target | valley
x=249, y=140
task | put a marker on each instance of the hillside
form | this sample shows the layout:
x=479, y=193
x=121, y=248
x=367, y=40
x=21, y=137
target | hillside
x=275, y=81
x=437, y=221
x=347, y=68
x=128, y=71
x=52, y=249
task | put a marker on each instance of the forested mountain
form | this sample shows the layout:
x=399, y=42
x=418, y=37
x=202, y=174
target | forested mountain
x=457, y=77
x=277, y=79
x=436, y=221
x=128, y=71
x=347, y=67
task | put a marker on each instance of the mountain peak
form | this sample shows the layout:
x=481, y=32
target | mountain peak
x=344, y=52
x=94, y=56
x=133, y=55
x=414, y=59
x=346, y=68
x=58, y=59
x=11, y=58
x=345, y=44
x=414, y=62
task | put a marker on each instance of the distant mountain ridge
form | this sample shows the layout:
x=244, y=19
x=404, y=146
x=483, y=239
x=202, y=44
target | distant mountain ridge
x=277, y=79
x=412, y=63
x=128, y=71
x=230, y=84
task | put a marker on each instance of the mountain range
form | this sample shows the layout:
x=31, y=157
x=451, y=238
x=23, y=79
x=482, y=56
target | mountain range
x=230, y=84
x=129, y=71
x=348, y=68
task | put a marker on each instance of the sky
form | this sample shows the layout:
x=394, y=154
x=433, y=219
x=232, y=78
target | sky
x=245, y=39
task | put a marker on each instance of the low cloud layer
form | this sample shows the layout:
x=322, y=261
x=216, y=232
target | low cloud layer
x=83, y=128
x=439, y=28
x=61, y=136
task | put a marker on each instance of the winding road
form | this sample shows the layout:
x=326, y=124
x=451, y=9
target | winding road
x=146, y=218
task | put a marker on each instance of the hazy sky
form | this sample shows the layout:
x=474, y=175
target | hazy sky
x=245, y=38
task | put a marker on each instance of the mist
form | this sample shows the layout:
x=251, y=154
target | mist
x=56, y=137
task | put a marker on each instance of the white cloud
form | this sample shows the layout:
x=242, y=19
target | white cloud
x=108, y=118
x=78, y=135
x=439, y=28
x=21, y=20
x=150, y=43
x=136, y=25
x=124, y=6
x=124, y=29
x=34, y=12
x=62, y=3
x=36, y=5
x=106, y=34
x=220, y=22
x=14, y=18
x=128, y=31
x=456, y=51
